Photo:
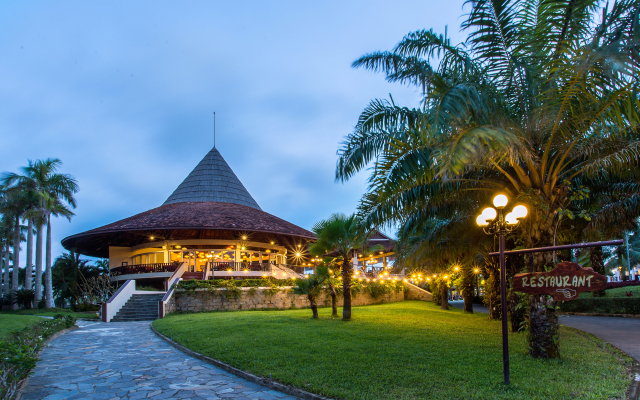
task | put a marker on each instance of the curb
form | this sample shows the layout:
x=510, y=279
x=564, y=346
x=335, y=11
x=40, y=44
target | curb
x=271, y=384
x=633, y=392
x=24, y=382
x=600, y=315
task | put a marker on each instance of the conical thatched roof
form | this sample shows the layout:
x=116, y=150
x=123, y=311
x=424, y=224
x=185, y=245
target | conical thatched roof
x=212, y=180
x=211, y=203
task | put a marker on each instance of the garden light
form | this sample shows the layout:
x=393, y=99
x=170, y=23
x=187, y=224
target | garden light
x=500, y=201
x=520, y=211
x=489, y=213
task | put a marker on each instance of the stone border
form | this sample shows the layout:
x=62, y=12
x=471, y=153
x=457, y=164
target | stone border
x=600, y=314
x=270, y=383
x=24, y=382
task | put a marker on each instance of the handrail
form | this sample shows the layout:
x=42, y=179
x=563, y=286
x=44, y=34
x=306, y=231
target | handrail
x=118, y=300
x=167, y=296
x=176, y=274
x=145, y=268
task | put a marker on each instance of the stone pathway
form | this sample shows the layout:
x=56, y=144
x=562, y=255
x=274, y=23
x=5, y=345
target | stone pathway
x=126, y=360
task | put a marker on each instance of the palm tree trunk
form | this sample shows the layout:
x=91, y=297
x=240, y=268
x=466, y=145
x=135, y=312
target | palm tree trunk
x=7, y=253
x=16, y=259
x=48, y=288
x=29, y=268
x=3, y=265
x=334, y=300
x=314, y=305
x=444, y=296
x=38, y=283
x=346, y=289
x=597, y=263
x=543, y=327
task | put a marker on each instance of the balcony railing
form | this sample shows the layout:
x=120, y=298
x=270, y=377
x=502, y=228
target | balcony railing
x=239, y=266
x=144, y=268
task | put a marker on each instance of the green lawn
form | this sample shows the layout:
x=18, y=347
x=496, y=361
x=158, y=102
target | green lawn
x=11, y=323
x=50, y=312
x=617, y=292
x=406, y=350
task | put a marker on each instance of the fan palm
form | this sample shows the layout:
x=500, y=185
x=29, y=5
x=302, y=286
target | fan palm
x=541, y=94
x=342, y=235
x=310, y=287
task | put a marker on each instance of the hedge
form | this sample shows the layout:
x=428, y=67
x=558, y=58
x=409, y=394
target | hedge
x=605, y=305
x=613, y=285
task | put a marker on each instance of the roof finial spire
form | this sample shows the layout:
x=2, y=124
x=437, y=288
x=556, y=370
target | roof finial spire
x=214, y=129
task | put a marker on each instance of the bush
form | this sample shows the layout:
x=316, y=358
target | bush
x=612, y=285
x=19, y=356
x=605, y=305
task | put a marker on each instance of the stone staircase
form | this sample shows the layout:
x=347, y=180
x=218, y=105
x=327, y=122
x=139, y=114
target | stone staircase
x=140, y=307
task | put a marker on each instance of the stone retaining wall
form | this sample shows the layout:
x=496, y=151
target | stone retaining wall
x=262, y=298
x=414, y=292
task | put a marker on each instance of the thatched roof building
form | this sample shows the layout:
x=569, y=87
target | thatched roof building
x=210, y=217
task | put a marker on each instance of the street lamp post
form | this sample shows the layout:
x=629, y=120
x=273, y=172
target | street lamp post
x=496, y=223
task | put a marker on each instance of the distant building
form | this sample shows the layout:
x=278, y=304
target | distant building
x=211, y=225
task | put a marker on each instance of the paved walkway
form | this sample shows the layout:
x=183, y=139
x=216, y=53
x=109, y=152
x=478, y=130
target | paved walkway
x=126, y=360
x=624, y=333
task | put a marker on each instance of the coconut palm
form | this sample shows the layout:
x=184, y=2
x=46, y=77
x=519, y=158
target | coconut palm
x=342, y=235
x=57, y=209
x=41, y=178
x=541, y=93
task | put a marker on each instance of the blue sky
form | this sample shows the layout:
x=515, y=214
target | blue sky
x=124, y=93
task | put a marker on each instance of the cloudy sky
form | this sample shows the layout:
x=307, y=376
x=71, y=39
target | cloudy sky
x=124, y=93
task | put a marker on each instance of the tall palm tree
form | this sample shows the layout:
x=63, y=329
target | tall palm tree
x=56, y=208
x=41, y=179
x=342, y=235
x=541, y=93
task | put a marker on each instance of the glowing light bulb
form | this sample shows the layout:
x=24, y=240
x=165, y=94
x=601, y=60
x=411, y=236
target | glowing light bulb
x=500, y=201
x=481, y=220
x=489, y=213
x=520, y=211
x=511, y=219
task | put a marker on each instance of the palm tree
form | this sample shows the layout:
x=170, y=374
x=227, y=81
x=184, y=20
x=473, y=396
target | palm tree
x=344, y=236
x=539, y=95
x=56, y=208
x=41, y=179
x=310, y=287
x=329, y=275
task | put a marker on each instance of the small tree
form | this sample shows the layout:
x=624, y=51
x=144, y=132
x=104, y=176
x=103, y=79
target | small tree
x=310, y=287
x=330, y=276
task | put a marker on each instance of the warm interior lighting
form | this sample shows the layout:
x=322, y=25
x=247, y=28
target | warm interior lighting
x=297, y=254
x=500, y=201
x=244, y=238
x=520, y=211
x=272, y=242
x=151, y=237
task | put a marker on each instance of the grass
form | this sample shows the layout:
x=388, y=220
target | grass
x=616, y=292
x=50, y=312
x=406, y=350
x=13, y=323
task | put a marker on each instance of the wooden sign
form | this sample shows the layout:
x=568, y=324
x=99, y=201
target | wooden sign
x=565, y=282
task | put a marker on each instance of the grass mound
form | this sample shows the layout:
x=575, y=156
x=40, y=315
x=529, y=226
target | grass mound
x=406, y=350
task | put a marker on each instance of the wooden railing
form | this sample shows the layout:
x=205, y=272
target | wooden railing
x=144, y=268
x=233, y=266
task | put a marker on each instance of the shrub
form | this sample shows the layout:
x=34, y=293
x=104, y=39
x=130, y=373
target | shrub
x=605, y=305
x=612, y=285
x=19, y=355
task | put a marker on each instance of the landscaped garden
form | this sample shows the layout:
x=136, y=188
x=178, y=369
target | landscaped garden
x=406, y=350
x=50, y=312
